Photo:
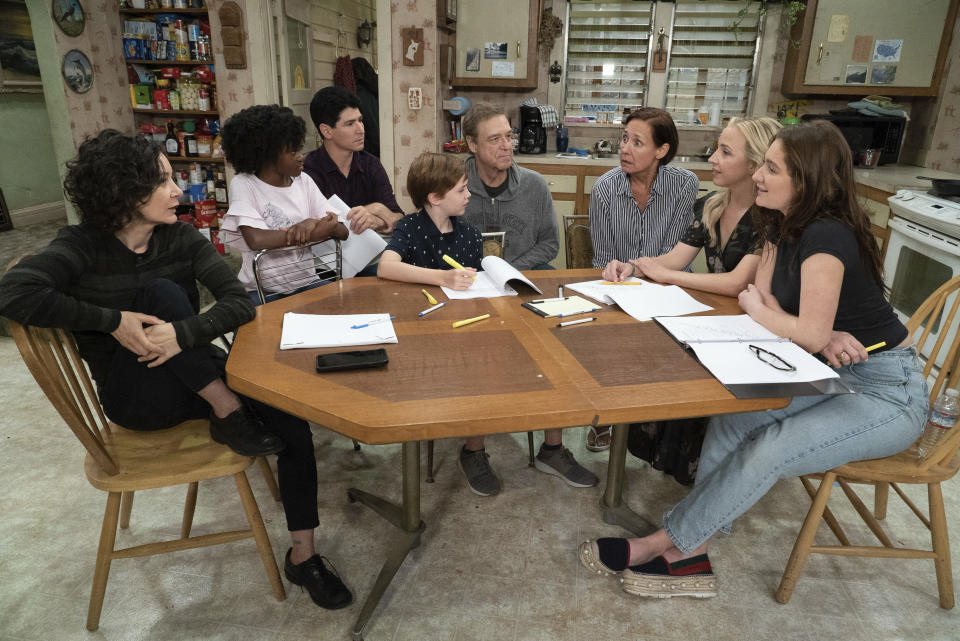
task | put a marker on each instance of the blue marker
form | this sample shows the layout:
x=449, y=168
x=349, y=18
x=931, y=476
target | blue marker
x=373, y=322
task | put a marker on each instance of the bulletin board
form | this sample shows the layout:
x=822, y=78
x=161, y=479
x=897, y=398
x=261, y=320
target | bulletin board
x=875, y=44
x=496, y=44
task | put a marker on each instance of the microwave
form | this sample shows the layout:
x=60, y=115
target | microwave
x=869, y=132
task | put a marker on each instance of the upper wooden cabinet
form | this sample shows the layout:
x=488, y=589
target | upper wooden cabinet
x=509, y=24
x=860, y=47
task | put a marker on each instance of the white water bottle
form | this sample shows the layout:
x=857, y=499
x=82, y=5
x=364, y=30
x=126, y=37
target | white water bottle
x=943, y=415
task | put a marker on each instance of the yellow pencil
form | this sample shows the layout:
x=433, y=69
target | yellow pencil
x=470, y=320
x=877, y=346
x=610, y=282
x=430, y=299
x=455, y=264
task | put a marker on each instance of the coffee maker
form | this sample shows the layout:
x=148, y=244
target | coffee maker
x=533, y=137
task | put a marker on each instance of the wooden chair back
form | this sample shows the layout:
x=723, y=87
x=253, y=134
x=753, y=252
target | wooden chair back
x=494, y=243
x=920, y=325
x=323, y=258
x=578, y=242
x=51, y=356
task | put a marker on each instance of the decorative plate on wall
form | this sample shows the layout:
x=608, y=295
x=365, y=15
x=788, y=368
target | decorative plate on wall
x=77, y=71
x=68, y=14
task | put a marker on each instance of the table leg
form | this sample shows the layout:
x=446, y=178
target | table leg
x=406, y=518
x=615, y=511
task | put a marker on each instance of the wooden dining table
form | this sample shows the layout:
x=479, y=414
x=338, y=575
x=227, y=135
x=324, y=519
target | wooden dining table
x=513, y=372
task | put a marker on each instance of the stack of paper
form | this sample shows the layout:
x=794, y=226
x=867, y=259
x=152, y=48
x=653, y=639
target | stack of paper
x=641, y=299
x=358, y=249
x=341, y=330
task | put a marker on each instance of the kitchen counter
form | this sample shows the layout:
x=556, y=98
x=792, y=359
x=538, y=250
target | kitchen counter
x=591, y=161
x=891, y=178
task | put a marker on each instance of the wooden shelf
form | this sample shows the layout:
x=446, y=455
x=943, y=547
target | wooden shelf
x=168, y=63
x=195, y=159
x=175, y=113
x=152, y=12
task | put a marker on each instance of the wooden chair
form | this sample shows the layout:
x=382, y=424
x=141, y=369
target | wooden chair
x=900, y=468
x=121, y=462
x=576, y=232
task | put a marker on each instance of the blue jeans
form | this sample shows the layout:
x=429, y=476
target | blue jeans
x=745, y=454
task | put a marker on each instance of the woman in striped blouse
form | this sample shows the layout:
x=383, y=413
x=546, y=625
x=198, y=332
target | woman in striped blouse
x=642, y=207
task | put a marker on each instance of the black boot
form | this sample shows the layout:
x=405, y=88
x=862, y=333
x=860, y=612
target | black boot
x=243, y=433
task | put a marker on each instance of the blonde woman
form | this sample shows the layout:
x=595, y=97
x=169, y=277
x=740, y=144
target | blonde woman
x=723, y=224
x=723, y=227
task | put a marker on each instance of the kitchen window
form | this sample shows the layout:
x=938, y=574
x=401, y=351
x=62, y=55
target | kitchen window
x=606, y=57
x=710, y=61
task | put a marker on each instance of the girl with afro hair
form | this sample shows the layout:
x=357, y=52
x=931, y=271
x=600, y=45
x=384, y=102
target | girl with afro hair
x=271, y=203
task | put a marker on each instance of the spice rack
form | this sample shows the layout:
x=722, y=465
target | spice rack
x=170, y=66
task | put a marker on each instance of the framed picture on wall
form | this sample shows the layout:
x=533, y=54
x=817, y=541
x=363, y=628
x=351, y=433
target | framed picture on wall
x=19, y=69
x=68, y=14
x=77, y=71
x=5, y=221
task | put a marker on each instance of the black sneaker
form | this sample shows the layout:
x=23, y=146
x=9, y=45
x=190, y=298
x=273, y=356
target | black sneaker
x=324, y=585
x=243, y=433
x=481, y=478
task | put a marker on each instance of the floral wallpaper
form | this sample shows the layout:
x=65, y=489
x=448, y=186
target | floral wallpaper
x=415, y=131
x=939, y=135
x=107, y=104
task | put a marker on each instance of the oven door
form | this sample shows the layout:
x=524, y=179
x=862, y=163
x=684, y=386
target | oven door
x=918, y=261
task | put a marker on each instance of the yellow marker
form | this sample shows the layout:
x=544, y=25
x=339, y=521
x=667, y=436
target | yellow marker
x=455, y=264
x=610, y=282
x=877, y=346
x=470, y=320
x=430, y=299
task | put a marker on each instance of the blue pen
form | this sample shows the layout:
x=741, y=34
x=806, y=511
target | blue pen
x=373, y=322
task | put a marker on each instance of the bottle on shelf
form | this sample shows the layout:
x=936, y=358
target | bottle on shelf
x=943, y=416
x=221, y=187
x=172, y=144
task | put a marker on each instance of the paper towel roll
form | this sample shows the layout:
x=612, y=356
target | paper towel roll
x=457, y=106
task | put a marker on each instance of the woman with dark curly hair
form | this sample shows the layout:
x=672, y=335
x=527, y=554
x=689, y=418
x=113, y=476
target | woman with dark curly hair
x=124, y=282
x=271, y=203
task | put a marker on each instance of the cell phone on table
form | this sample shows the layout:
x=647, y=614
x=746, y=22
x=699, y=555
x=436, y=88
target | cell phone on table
x=357, y=359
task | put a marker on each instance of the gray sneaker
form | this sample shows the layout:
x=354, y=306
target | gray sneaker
x=561, y=463
x=480, y=476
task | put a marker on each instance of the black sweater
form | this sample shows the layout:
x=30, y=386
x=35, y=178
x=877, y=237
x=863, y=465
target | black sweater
x=86, y=277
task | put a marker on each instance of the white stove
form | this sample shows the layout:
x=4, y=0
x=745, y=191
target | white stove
x=938, y=214
x=922, y=253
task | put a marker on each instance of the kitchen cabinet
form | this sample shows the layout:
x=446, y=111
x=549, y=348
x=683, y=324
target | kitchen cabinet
x=854, y=47
x=496, y=44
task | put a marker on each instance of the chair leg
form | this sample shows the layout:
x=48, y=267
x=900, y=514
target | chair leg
x=801, y=548
x=881, y=491
x=429, y=478
x=260, y=534
x=828, y=516
x=530, y=448
x=189, y=507
x=941, y=545
x=108, y=536
x=268, y=477
x=126, y=505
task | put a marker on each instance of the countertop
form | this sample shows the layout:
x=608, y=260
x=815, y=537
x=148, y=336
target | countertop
x=886, y=177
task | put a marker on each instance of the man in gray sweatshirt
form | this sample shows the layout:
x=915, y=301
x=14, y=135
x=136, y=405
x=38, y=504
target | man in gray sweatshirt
x=505, y=197
x=518, y=202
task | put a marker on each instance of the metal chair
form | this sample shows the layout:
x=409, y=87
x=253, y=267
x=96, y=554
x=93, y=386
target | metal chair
x=121, y=462
x=305, y=265
x=888, y=472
